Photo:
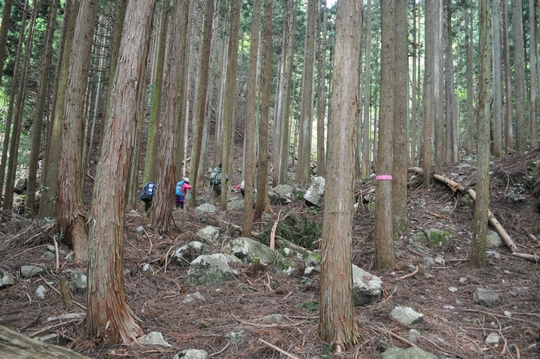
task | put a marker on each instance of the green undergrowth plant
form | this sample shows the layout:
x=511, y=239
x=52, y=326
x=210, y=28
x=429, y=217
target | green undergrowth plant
x=300, y=231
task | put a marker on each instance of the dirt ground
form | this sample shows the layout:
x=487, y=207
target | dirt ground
x=454, y=326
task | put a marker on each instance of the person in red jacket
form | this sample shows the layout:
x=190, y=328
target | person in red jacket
x=186, y=187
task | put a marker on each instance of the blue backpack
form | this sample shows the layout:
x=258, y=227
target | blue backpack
x=179, y=188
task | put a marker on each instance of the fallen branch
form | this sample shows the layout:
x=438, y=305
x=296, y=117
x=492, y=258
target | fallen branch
x=278, y=349
x=530, y=257
x=410, y=274
x=458, y=187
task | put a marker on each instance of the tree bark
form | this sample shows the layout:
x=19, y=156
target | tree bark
x=71, y=211
x=249, y=172
x=40, y=109
x=519, y=77
x=497, y=80
x=266, y=70
x=427, y=126
x=321, y=98
x=481, y=209
x=337, y=323
x=400, y=121
x=366, y=128
x=201, y=99
x=508, y=121
x=109, y=315
x=384, y=233
x=306, y=115
x=49, y=194
x=533, y=93
x=230, y=100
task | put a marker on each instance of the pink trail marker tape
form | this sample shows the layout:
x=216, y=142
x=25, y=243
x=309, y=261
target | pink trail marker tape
x=383, y=177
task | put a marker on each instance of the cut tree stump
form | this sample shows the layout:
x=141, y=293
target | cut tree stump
x=18, y=346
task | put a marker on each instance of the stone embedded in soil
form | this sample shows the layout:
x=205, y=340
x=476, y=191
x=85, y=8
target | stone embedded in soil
x=406, y=315
x=486, y=297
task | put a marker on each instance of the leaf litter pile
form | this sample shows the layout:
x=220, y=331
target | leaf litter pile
x=230, y=320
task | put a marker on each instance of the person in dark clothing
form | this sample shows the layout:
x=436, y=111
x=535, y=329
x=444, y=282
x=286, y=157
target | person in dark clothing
x=147, y=194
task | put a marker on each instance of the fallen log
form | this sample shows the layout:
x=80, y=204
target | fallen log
x=18, y=346
x=494, y=222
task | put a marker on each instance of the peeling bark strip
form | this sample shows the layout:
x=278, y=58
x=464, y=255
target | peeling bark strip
x=494, y=222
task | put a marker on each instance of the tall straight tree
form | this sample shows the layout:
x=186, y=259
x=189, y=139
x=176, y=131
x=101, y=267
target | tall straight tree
x=438, y=84
x=251, y=120
x=519, y=77
x=366, y=163
x=6, y=16
x=306, y=115
x=151, y=159
x=337, y=322
x=54, y=141
x=508, y=122
x=449, y=95
x=71, y=211
x=288, y=90
x=497, y=79
x=17, y=120
x=202, y=86
x=162, y=203
x=230, y=99
x=533, y=93
x=400, y=121
x=481, y=208
x=469, y=142
x=384, y=234
x=109, y=315
x=266, y=71
x=40, y=107
x=321, y=98
x=427, y=124
x=9, y=117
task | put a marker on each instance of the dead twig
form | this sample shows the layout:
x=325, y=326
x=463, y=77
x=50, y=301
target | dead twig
x=410, y=274
x=221, y=351
x=278, y=349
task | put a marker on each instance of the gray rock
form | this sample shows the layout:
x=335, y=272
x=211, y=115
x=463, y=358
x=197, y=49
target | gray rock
x=140, y=231
x=247, y=249
x=78, y=279
x=366, y=287
x=486, y=297
x=6, y=279
x=493, y=338
x=414, y=335
x=208, y=234
x=493, y=239
x=52, y=249
x=191, y=354
x=493, y=254
x=205, y=209
x=211, y=269
x=273, y=319
x=409, y=353
x=235, y=204
x=315, y=192
x=406, y=315
x=155, y=338
x=50, y=338
x=194, y=297
x=282, y=194
x=40, y=292
x=147, y=268
x=31, y=271
x=49, y=256
x=186, y=254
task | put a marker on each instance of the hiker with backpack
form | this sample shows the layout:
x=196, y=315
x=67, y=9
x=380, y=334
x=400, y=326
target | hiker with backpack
x=215, y=180
x=147, y=194
x=182, y=189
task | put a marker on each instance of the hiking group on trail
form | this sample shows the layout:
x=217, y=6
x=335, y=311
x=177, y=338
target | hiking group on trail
x=183, y=189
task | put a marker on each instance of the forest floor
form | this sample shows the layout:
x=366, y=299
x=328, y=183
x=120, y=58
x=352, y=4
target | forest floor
x=454, y=326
